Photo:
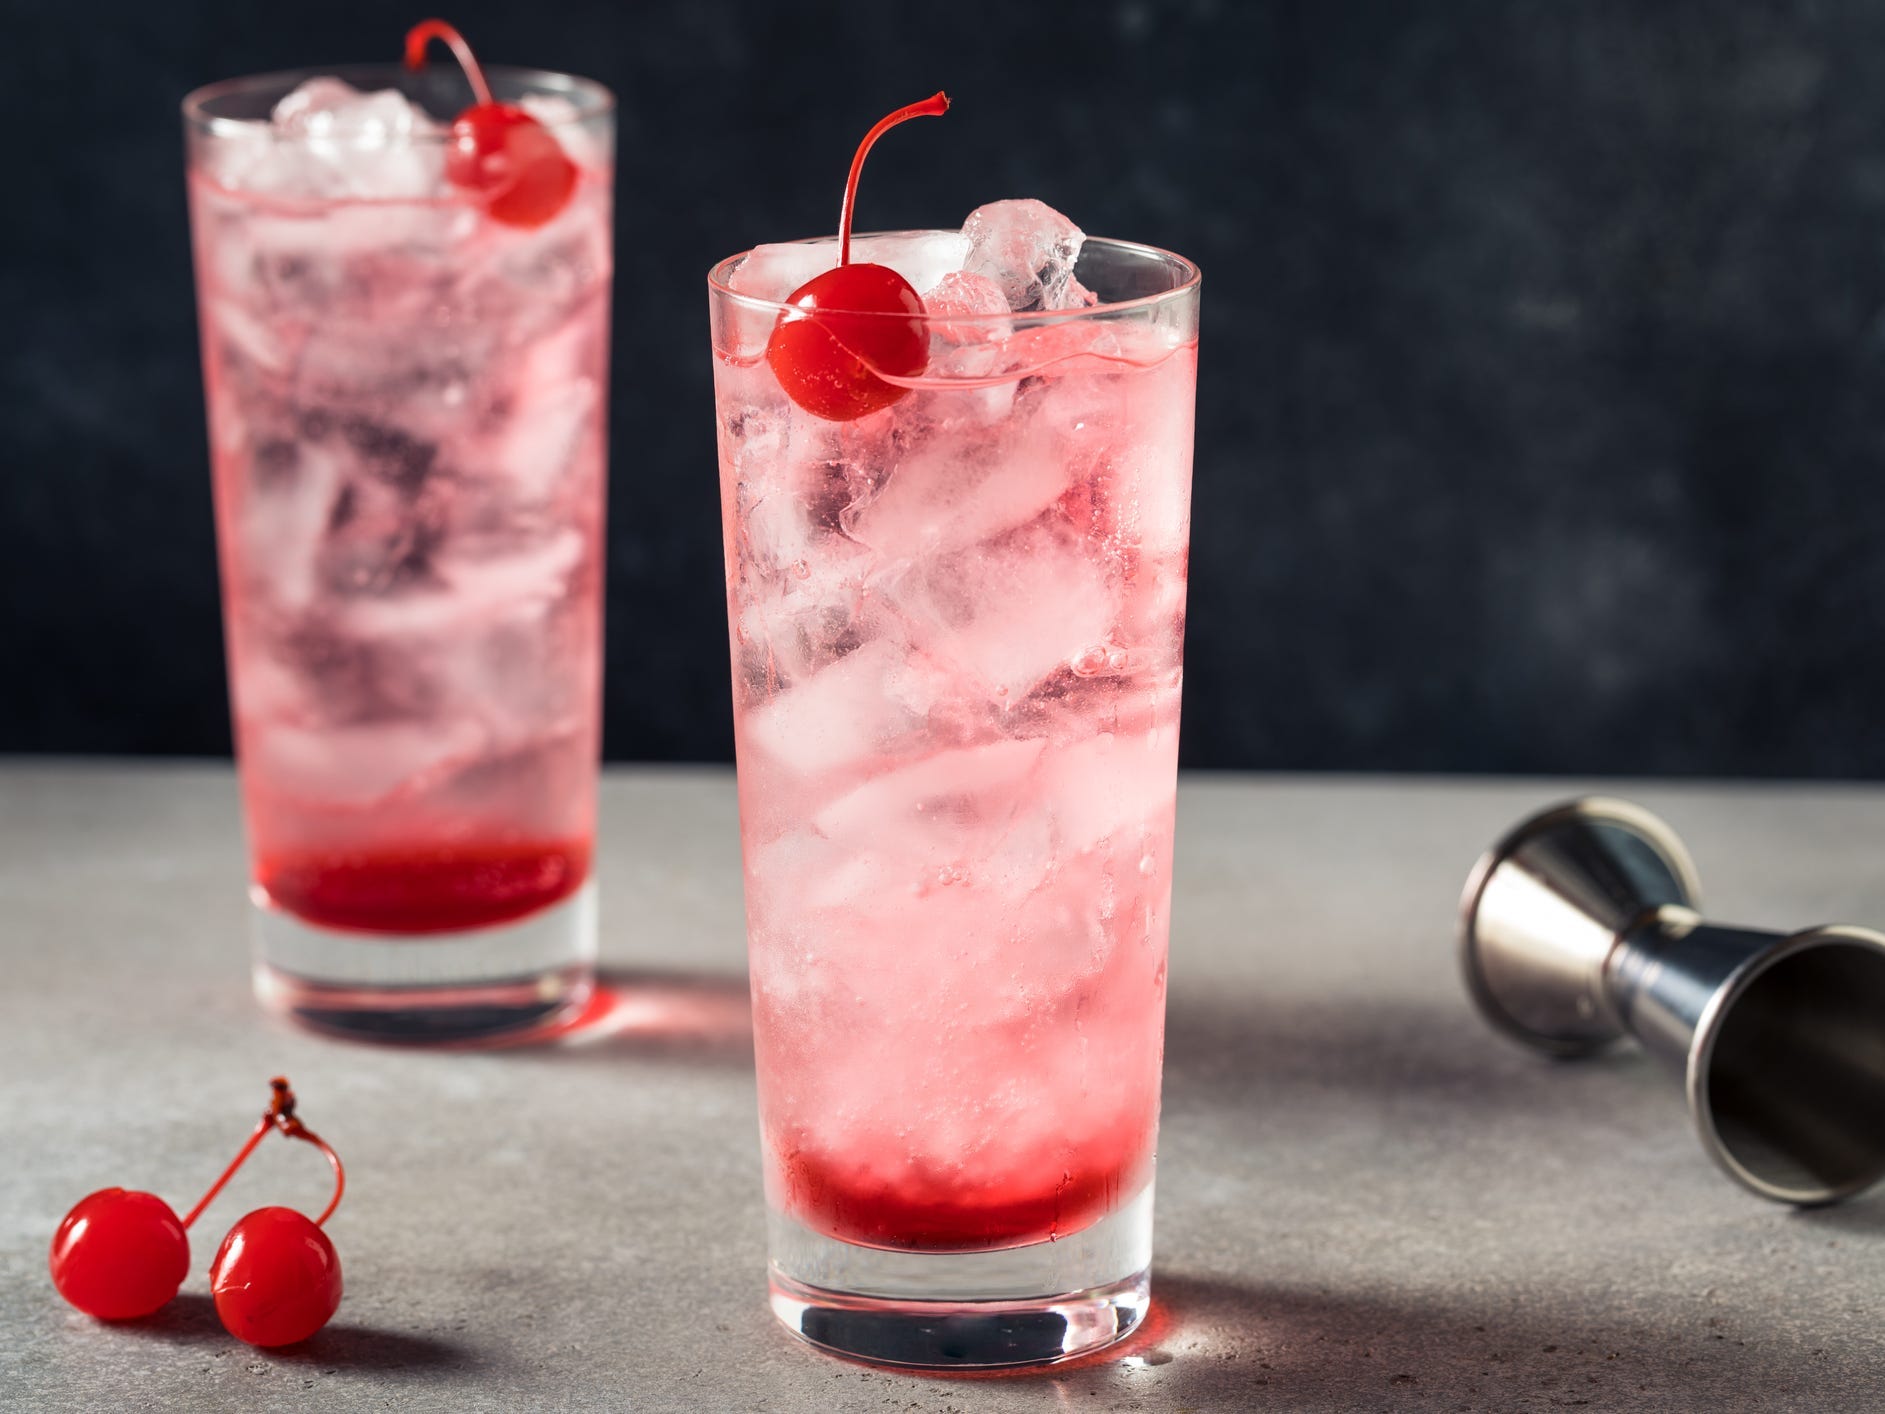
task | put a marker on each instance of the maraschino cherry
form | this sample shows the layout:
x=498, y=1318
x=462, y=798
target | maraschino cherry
x=276, y=1279
x=844, y=329
x=498, y=150
x=120, y=1254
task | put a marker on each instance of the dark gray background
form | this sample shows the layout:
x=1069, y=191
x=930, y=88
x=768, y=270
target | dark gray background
x=1541, y=410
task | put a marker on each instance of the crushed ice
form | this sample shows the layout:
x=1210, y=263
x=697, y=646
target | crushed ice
x=1009, y=257
x=329, y=139
x=1029, y=250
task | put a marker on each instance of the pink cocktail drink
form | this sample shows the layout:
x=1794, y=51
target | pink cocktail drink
x=406, y=385
x=956, y=640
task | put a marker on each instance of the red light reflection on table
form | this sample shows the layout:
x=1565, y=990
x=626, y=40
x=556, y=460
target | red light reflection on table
x=669, y=1010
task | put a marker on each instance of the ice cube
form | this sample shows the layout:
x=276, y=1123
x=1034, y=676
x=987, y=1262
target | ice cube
x=358, y=766
x=803, y=874
x=773, y=272
x=941, y=793
x=330, y=110
x=1029, y=249
x=956, y=831
x=1009, y=613
x=963, y=292
x=805, y=618
x=550, y=109
x=1110, y=787
x=954, y=490
x=1071, y=346
x=540, y=452
x=245, y=338
x=539, y=277
x=1153, y=464
x=284, y=520
x=473, y=588
x=779, y=531
x=964, y=296
x=791, y=495
x=755, y=424
x=233, y=152
x=585, y=146
x=333, y=140
x=379, y=540
x=839, y=717
x=921, y=257
x=783, y=875
x=970, y=325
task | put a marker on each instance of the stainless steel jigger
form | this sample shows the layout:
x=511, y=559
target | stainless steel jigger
x=1581, y=925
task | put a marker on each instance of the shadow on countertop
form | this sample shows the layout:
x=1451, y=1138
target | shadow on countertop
x=190, y=1319
x=700, y=1016
x=1254, y=1347
x=1215, y=1344
x=1415, y=1048
x=1863, y=1216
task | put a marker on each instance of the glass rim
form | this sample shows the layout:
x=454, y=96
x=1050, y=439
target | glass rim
x=1192, y=279
x=593, y=100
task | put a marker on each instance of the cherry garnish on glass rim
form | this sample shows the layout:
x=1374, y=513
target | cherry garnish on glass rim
x=120, y=1254
x=843, y=329
x=498, y=150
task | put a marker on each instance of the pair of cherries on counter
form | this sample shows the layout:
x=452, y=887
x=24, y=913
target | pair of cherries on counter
x=121, y=1254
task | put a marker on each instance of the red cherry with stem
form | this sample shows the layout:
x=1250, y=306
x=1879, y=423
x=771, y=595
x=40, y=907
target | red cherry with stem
x=855, y=321
x=276, y=1278
x=119, y=1254
x=498, y=150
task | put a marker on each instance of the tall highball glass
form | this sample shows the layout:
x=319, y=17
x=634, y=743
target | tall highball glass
x=956, y=631
x=406, y=389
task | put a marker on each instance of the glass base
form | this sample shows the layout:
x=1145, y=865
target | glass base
x=1034, y=1305
x=434, y=988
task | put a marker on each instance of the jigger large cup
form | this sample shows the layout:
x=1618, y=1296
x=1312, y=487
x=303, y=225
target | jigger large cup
x=1580, y=926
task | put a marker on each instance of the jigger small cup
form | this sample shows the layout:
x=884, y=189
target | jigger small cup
x=1580, y=926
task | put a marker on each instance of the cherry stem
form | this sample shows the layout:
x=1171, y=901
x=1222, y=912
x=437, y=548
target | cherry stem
x=934, y=106
x=295, y=1129
x=261, y=1132
x=425, y=32
x=280, y=1115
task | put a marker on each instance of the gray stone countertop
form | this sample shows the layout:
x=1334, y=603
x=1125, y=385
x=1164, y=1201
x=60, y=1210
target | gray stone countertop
x=1366, y=1199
